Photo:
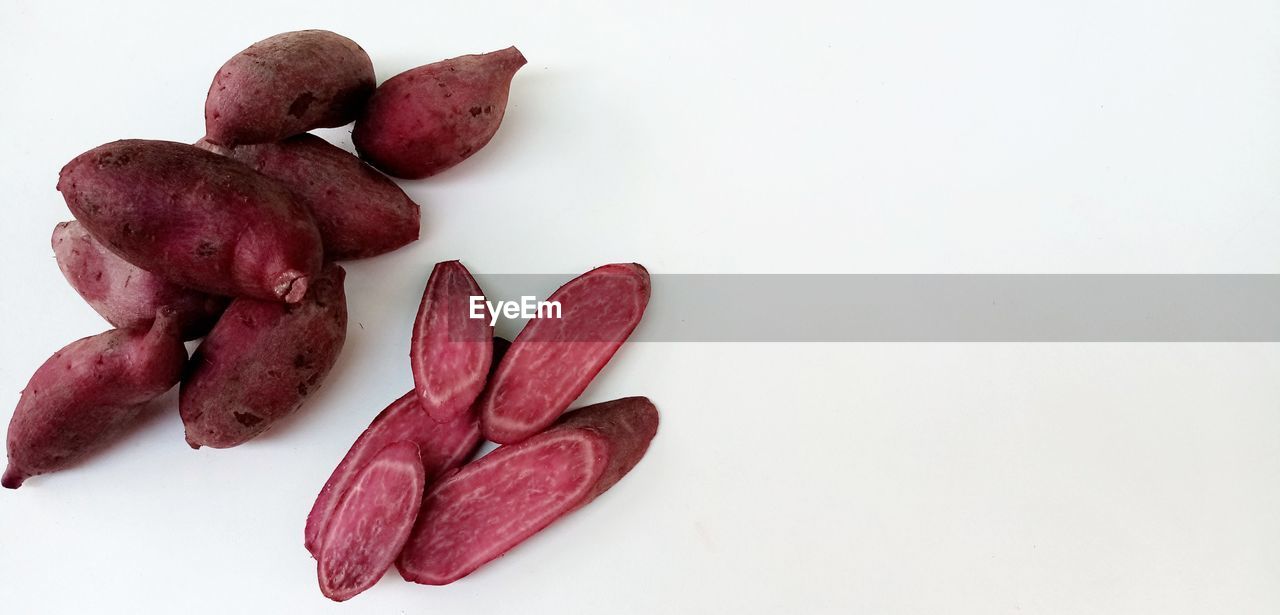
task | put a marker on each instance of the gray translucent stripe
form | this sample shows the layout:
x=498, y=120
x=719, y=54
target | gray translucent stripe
x=943, y=308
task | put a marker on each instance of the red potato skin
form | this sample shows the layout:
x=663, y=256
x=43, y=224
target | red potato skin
x=443, y=447
x=489, y=506
x=88, y=393
x=371, y=523
x=429, y=118
x=629, y=424
x=260, y=363
x=286, y=85
x=360, y=212
x=450, y=352
x=195, y=218
x=127, y=296
x=552, y=361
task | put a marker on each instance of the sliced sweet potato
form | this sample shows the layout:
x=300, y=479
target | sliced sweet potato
x=450, y=352
x=371, y=522
x=554, y=359
x=493, y=504
x=443, y=446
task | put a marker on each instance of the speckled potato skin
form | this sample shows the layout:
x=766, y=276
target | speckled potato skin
x=261, y=361
x=88, y=393
x=125, y=295
x=286, y=85
x=199, y=220
x=427, y=119
x=360, y=212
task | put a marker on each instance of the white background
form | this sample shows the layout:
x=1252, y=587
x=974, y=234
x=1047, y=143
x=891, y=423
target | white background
x=879, y=137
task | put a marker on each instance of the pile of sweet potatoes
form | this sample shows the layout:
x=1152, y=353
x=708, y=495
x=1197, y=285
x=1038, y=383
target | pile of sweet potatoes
x=234, y=239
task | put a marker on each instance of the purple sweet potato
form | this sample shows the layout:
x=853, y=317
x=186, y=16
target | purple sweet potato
x=371, y=523
x=286, y=85
x=427, y=119
x=195, y=218
x=260, y=363
x=89, y=392
x=359, y=211
x=443, y=446
x=554, y=359
x=127, y=296
x=493, y=504
x=450, y=352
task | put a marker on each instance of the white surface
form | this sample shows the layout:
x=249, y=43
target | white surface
x=809, y=478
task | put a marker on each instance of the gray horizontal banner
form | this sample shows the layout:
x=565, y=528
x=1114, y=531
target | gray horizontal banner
x=941, y=308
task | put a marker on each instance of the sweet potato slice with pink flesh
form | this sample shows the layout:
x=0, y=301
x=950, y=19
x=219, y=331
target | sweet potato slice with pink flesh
x=488, y=507
x=450, y=352
x=443, y=446
x=371, y=523
x=554, y=359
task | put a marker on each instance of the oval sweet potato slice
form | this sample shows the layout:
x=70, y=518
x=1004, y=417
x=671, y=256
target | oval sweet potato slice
x=493, y=504
x=554, y=359
x=371, y=523
x=450, y=352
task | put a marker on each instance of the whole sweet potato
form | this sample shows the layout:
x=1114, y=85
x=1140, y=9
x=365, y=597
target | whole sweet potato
x=427, y=119
x=261, y=361
x=197, y=219
x=359, y=211
x=87, y=393
x=127, y=296
x=286, y=85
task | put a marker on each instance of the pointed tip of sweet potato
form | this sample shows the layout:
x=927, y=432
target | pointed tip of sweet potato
x=511, y=57
x=13, y=478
